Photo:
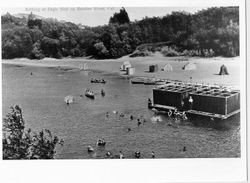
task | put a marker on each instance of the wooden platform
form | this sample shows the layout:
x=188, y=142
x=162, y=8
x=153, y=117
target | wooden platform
x=220, y=116
x=195, y=112
x=163, y=107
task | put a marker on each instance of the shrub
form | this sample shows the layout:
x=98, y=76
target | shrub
x=191, y=53
x=208, y=52
x=19, y=143
x=138, y=53
x=169, y=52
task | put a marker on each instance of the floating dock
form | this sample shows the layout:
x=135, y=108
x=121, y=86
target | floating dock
x=210, y=101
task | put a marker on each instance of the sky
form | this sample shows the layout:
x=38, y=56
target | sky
x=98, y=16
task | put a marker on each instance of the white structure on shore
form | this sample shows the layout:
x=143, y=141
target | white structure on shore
x=130, y=70
x=189, y=66
x=83, y=67
x=125, y=65
x=167, y=68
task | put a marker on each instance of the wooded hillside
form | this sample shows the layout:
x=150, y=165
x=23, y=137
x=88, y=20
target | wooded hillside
x=210, y=32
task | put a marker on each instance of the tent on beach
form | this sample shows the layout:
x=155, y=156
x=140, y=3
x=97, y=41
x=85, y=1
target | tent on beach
x=189, y=66
x=223, y=70
x=125, y=65
x=167, y=68
x=83, y=66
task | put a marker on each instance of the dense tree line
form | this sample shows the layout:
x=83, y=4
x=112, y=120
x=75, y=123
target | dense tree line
x=214, y=31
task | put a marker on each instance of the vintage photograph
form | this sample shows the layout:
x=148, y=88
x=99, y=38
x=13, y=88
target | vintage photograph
x=121, y=82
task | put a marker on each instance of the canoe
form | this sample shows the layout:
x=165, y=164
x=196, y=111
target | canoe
x=149, y=82
x=137, y=81
x=98, y=81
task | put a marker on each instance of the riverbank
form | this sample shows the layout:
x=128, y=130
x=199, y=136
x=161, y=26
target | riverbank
x=206, y=72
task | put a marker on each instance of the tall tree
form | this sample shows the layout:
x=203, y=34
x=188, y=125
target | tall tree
x=19, y=143
x=120, y=18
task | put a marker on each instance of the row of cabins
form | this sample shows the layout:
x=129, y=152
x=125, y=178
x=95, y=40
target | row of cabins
x=211, y=101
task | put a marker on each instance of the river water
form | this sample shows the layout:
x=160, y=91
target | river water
x=41, y=97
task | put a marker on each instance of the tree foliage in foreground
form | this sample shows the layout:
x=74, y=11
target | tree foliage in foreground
x=19, y=143
x=214, y=30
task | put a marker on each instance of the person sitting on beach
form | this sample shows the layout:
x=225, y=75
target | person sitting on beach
x=121, y=115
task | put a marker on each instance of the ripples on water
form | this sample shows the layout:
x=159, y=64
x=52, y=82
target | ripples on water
x=41, y=96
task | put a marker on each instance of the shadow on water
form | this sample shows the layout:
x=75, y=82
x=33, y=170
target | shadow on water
x=218, y=124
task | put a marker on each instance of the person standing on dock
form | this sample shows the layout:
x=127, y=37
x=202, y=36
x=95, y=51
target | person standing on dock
x=149, y=103
x=190, y=101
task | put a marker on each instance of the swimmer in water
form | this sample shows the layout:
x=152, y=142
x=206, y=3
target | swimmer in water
x=131, y=117
x=120, y=155
x=153, y=154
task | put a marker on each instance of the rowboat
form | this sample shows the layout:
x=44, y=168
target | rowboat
x=98, y=81
x=90, y=94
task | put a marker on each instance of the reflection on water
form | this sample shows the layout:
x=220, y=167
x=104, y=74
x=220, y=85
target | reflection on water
x=41, y=96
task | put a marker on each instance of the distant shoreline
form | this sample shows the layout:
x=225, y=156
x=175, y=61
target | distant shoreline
x=206, y=72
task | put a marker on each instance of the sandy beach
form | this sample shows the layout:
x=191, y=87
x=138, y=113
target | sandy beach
x=206, y=72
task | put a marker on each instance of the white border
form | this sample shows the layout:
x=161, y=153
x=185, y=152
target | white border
x=159, y=170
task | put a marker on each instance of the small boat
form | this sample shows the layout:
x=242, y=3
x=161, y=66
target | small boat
x=150, y=82
x=90, y=149
x=90, y=94
x=137, y=81
x=101, y=142
x=97, y=81
x=160, y=82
